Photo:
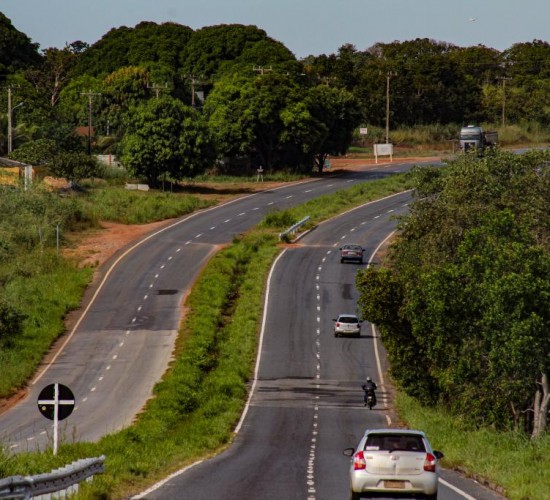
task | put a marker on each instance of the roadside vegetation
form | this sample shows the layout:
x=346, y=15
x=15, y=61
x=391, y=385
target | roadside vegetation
x=171, y=432
x=200, y=399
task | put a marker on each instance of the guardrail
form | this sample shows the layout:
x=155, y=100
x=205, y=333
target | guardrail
x=294, y=228
x=58, y=483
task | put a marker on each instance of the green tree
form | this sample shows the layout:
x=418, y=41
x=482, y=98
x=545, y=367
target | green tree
x=337, y=111
x=74, y=166
x=166, y=137
x=39, y=152
x=462, y=306
x=146, y=43
x=16, y=49
x=265, y=119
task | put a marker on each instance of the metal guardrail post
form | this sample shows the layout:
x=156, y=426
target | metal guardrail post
x=293, y=228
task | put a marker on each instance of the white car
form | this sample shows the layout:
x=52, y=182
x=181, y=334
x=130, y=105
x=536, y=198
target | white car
x=347, y=324
x=393, y=461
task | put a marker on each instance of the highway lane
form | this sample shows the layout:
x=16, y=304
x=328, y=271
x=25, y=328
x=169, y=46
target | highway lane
x=306, y=406
x=123, y=342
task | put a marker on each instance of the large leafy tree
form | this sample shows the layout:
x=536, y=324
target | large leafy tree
x=166, y=137
x=337, y=111
x=463, y=303
x=147, y=42
x=215, y=47
x=264, y=118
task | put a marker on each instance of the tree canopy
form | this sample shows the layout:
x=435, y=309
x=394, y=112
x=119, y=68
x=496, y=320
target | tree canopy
x=463, y=302
x=166, y=137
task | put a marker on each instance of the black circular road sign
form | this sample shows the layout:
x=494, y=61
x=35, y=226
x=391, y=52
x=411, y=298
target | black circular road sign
x=56, y=395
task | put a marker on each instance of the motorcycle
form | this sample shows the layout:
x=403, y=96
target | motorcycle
x=369, y=400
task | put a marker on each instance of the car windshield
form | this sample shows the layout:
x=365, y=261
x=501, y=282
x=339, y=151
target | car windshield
x=357, y=248
x=348, y=319
x=394, y=442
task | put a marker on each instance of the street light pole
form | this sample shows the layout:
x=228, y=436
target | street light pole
x=10, y=118
x=9, y=121
x=503, y=78
x=90, y=95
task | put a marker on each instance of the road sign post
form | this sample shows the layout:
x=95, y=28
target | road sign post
x=56, y=402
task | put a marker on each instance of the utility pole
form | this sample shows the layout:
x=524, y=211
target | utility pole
x=194, y=81
x=90, y=96
x=261, y=69
x=389, y=74
x=504, y=79
x=10, y=117
x=157, y=88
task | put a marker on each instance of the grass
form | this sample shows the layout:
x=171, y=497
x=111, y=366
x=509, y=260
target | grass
x=45, y=297
x=117, y=204
x=518, y=464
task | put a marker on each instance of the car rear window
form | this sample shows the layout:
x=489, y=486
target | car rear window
x=348, y=319
x=393, y=442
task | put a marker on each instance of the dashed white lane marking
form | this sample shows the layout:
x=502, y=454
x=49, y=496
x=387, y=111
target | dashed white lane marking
x=271, y=203
x=256, y=208
x=241, y=214
x=288, y=197
x=198, y=235
x=308, y=190
x=226, y=221
x=108, y=367
x=92, y=389
x=212, y=228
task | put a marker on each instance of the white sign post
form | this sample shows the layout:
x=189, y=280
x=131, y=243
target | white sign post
x=383, y=150
x=56, y=402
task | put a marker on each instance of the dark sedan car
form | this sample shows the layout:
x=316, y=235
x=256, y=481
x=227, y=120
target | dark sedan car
x=351, y=252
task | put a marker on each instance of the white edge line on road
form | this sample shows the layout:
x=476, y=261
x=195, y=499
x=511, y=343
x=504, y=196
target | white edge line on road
x=456, y=490
x=164, y=481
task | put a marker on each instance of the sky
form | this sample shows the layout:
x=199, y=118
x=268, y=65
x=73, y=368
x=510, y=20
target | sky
x=305, y=27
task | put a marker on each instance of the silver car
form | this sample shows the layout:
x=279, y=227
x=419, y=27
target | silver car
x=393, y=461
x=347, y=324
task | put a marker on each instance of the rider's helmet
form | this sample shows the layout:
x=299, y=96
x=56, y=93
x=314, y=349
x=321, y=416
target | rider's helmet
x=368, y=379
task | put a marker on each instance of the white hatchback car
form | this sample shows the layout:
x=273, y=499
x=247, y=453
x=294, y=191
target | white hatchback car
x=347, y=324
x=393, y=461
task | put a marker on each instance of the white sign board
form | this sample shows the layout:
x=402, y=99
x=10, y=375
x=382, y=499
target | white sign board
x=383, y=150
x=363, y=130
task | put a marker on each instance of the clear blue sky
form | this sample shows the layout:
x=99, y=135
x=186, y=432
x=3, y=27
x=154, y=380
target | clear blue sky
x=303, y=26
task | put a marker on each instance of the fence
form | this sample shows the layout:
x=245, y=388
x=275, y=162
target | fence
x=56, y=484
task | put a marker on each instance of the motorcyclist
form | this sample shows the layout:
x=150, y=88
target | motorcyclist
x=369, y=387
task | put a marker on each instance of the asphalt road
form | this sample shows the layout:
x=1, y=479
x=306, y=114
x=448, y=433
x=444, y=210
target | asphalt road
x=306, y=405
x=124, y=338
